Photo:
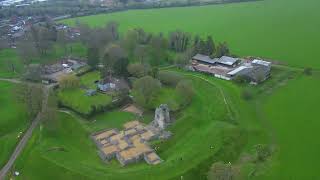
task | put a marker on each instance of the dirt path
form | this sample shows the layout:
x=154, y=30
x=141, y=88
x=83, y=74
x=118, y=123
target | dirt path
x=28, y=133
x=16, y=81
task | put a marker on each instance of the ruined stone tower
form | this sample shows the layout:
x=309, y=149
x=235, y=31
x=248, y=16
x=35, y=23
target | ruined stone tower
x=162, y=116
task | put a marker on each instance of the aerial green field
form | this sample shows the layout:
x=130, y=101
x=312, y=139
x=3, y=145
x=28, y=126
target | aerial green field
x=293, y=114
x=77, y=100
x=285, y=30
x=11, y=65
x=211, y=125
x=13, y=120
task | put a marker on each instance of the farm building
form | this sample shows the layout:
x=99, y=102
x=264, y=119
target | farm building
x=228, y=68
x=111, y=84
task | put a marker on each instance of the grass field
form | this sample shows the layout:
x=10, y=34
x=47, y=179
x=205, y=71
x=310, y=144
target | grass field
x=285, y=30
x=10, y=56
x=77, y=100
x=13, y=120
x=206, y=124
x=293, y=114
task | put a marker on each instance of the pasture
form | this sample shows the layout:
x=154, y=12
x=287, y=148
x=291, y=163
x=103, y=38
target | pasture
x=195, y=130
x=13, y=120
x=285, y=30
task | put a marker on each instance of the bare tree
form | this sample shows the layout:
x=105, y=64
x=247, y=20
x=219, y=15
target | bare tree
x=31, y=95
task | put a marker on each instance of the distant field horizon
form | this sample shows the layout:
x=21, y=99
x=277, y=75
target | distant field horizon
x=285, y=30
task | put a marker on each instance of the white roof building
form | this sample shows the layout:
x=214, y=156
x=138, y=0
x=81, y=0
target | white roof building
x=261, y=62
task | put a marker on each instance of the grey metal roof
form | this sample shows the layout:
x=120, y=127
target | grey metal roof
x=204, y=58
x=227, y=60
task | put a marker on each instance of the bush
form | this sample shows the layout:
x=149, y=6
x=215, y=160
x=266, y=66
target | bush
x=69, y=82
x=307, y=71
x=138, y=70
x=247, y=94
x=240, y=80
x=144, y=90
x=169, y=78
x=185, y=90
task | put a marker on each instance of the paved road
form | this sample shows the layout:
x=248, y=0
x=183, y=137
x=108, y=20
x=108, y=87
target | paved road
x=27, y=135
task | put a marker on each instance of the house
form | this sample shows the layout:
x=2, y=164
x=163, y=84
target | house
x=106, y=87
x=228, y=61
x=112, y=84
x=91, y=92
x=203, y=59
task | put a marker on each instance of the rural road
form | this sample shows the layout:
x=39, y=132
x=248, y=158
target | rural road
x=27, y=134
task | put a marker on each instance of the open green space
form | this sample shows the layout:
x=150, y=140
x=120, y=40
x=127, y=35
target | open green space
x=11, y=65
x=77, y=100
x=293, y=114
x=88, y=80
x=195, y=130
x=13, y=120
x=285, y=30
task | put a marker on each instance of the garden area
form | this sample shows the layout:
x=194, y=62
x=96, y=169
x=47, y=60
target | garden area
x=77, y=99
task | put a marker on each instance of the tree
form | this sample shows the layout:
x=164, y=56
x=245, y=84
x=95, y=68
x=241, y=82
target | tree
x=68, y=82
x=210, y=46
x=120, y=67
x=137, y=70
x=144, y=89
x=141, y=52
x=263, y=151
x=49, y=113
x=158, y=47
x=31, y=95
x=186, y=92
x=222, y=50
x=179, y=41
x=307, y=71
x=27, y=51
x=62, y=40
x=169, y=78
x=33, y=73
x=113, y=54
x=93, y=57
x=112, y=28
x=130, y=41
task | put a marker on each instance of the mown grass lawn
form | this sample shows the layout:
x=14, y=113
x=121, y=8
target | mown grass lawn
x=13, y=120
x=77, y=100
x=88, y=79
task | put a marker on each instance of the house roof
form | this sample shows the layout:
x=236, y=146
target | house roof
x=239, y=70
x=227, y=60
x=203, y=58
x=261, y=62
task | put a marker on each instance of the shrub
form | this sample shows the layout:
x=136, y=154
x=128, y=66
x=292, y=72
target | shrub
x=169, y=78
x=144, y=89
x=138, y=70
x=69, y=82
x=263, y=151
x=307, y=71
x=185, y=89
x=247, y=94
